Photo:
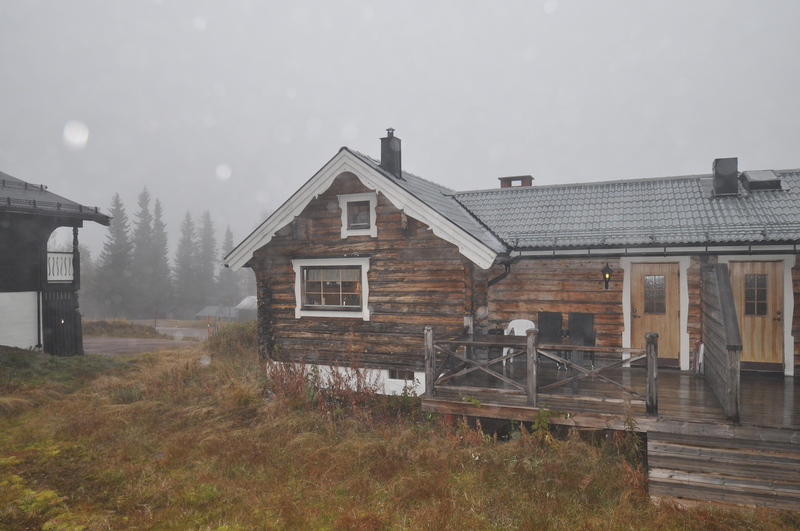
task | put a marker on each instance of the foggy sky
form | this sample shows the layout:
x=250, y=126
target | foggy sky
x=179, y=95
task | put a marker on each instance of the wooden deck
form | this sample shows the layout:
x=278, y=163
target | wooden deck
x=767, y=400
x=694, y=452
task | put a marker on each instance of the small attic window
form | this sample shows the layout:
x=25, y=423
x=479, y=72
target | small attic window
x=358, y=214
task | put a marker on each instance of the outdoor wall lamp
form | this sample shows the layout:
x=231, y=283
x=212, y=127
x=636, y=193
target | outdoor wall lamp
x=607, y=273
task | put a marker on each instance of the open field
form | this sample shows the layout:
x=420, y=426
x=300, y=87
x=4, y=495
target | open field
x=204, y=438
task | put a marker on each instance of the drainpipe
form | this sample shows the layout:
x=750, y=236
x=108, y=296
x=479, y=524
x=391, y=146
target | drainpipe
x=505, y=273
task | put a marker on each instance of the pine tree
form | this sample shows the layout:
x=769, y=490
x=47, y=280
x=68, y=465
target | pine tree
x=228, y=292
x=186, y=268
x=111, y=288
x=161, y=270
x=207, y=260
x=143, y=260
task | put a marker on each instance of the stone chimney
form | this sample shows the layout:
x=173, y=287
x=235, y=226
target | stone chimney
x=726, y=176
x=390, y=154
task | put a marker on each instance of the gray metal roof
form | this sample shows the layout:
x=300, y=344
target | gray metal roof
x=440, y=198
x=674, y=210
x=17, y=195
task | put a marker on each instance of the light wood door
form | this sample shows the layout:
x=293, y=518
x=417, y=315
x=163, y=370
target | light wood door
x=758, y=295
x=655, y=307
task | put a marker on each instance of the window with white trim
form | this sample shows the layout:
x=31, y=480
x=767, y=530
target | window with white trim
x=331, y=287
x=358, y=214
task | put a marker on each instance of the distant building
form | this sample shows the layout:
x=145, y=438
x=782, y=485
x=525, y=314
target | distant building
x=248, y=308
x=39, y=289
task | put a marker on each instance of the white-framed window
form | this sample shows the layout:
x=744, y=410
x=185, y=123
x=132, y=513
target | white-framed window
x=331, y=287
x=358, y=214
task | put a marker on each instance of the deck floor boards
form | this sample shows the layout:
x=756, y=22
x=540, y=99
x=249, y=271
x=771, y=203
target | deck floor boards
x=767, y=399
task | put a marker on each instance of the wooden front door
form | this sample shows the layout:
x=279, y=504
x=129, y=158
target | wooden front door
x=655, y=307
x=758, y=295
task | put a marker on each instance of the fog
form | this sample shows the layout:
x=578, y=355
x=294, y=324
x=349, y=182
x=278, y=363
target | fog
x=231, y=106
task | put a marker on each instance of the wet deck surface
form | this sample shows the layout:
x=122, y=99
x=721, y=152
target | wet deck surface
x=767, y=399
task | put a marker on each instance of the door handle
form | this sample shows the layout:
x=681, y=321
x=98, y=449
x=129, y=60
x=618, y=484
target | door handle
x=777, y=319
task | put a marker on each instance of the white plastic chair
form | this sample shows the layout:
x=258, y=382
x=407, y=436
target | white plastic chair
x=517, y=327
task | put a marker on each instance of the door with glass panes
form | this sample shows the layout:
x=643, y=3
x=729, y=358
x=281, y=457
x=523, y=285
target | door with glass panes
x=758, y=295
x=655, y=307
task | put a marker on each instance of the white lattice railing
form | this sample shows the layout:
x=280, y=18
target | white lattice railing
x=59, y=267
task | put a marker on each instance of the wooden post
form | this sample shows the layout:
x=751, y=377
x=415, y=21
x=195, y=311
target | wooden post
x=533, y=366
x=651, y=340
x=430, y=363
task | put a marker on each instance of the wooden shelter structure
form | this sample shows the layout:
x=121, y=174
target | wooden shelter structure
x=39, y=288
x=364, y=256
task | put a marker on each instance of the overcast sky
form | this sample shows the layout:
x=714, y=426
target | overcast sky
x=231, y=105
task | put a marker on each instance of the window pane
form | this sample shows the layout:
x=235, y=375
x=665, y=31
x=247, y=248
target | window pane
x=350, y=287
x=351, y=274
x=655, y=294
x=323, y=287
x=755, y=295
x=358, y=214
x=351, y=300
x=332, y=299
x=750, y=294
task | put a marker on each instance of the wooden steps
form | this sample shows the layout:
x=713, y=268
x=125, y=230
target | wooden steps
x=741, y=471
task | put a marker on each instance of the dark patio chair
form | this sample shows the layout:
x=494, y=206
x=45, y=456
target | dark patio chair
x=581, y=333
x=550, y=329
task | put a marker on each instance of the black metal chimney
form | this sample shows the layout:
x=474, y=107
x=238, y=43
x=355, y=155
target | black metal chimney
x=390, y=154
x=726, y=176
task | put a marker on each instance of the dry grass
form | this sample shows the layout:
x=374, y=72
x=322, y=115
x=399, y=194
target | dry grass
x=205, y=438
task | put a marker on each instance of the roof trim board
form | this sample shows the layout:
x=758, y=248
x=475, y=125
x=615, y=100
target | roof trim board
x=346, y=161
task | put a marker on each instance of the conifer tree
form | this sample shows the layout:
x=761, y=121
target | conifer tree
x=207, y=260
x=111, y=288
x=145, y=297
x=228, y=292
x=161, y=270
x=186, y=268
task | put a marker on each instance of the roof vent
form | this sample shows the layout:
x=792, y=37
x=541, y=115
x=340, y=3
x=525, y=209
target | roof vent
x=390, y=154
x=523, y=180
x=754, y=181
x=726, y=173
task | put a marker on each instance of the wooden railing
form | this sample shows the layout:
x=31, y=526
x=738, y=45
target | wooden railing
x=722, y=342
x=60, y=266
x=441, y=370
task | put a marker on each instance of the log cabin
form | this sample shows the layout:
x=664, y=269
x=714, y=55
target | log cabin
x=401, y=252
x=39, y=289
x=365, y=261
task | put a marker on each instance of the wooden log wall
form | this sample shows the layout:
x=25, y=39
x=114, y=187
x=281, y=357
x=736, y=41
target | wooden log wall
x=415, y=279
x=723, y=344
x=560, y=285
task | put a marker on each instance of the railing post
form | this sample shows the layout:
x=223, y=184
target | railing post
x=651, y=340
x=533, y=366
x=430, y=362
